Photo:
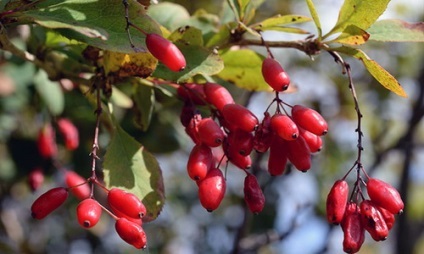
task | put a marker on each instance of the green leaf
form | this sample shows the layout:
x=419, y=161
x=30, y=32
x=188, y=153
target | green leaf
x=120, y=99
x=144, y=98
x=188, y=35
x=127, y=165
x=199, y=61
x=285, y=29
x=278, y=21
x=100, y=23
x=378, y=72
x=222, y=36
x=397, y=30
x=361, y=13
x=352, y=35
x=169, y=15
x=50, y=92
x=248, y=9
x=315, y=17
x=243, y=68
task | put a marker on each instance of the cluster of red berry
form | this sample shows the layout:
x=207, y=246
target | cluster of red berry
x=237, y=132
x=126, y=208
x=375, y=215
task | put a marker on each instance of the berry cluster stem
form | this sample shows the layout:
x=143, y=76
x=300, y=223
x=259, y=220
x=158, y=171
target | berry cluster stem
x=95, y=148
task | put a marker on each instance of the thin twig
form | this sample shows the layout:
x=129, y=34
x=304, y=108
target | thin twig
x=95, y=148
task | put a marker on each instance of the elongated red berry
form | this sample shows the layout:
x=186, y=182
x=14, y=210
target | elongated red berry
x=239, y=116
x=192, y=129
x=69, y=133
x=277, y=159
x=36, y=178
x=388, y=217
x=48, y=202
x=384, y=195
x=88, y=212
x=199, y=162
x=210, y=133
x=193, y=93
x=241, y=161
x=284, y=126
x=217, y=95
x=253, y=195
x=126, y=203
x=353, y=229
x=212, y=189
x=309, y=119
x=336, y=201
x=240, y=141
x=373, y=221
x=313, y=141
x=299, y=154
x=131, y=233
x=166, y=52
x=46, y=141
x=263, y=135
x=77, y=185
x=275, y=75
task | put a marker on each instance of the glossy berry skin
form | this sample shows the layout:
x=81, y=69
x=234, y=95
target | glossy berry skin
x=336, y=201
x=69, y=133
x=309, y=119
x=217, y=95
x=284, y=127
x=88, y=213
x=77, y=185
x=277, y=159
x=46, y=141
x=384, y=195
x=313, y=141
x=388, y=217
x=299, y=154
x=199, y=162
x=253, y=195
x=210, y=133
x=240, y=141
x=240, y=117
x=131, y=233
x=48, y=202
x=263, y=135
x=166, y=52
x=373, y=221
x=192, y=92
x=126, y=203
x=212, y=189
x=275, y=75
x=192, y=129
x=241, y=161
x=35, y=179
x=353, y=229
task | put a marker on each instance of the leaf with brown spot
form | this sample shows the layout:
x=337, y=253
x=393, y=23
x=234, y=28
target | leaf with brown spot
x=397, y=30
x=352, y=35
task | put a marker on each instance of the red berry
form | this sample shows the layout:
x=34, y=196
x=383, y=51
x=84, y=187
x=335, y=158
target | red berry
x=388, y=217
x=199, y=162
x=239, y=116
x=126, y=203
x=373, y=221
x=192, y=92
x=192, y=129
x=299, y=154
x=253, y=195
x=313, y=141
x=210, y=133
x=217, y=95
x=384, y=195
x=240, y=142
x=69, y=132
x=212, y=189
x=336, y=201
x=284, y=127
x=277, y=159
x=77, y=185
x=353, y=229
x=48, y=202
x=241, y=161
x=166, y=52
x=309, y=119
x=131, y=233
x=263, y=135
x=275, y=75
x=88, y=212
x=36, y=179
x=187, y=113
x=46, y=141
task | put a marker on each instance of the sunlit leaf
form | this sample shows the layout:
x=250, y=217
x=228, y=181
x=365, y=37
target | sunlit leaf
x=352, y=35
x=243, y=68
x=359, y=13
x=285, y=29
x=278, y=20
x=377, y=71
x=169, y=15
x=315, y=16
x=120, y=99
x=127, y=165
x=248, y=8
x=397, y=30
x=50, y=92
x=118, y=64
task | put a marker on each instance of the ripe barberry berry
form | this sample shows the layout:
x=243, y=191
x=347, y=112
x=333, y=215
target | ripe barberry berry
x=166, y=52
x=217, y=95
x=131, y=233
x=309, y=119
x=126, y=203
x=48, y=202
x=373, y=221
x=275, y=75
x=240, y=141
x=209, y=132
x=353, y=229
x=199, y=162
x=313, y=141
x=384, y=195
x=263, y=135
x=299, y=154
x=88, y=212
x=36, y=179
x=336, y=201
x=284, y=127
x=46, y=141
x=240, y=117
x=253, y=195
x=277, y=159
x=77, y=185
x=69, y=133
x=193, y=93
x=212, y=189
